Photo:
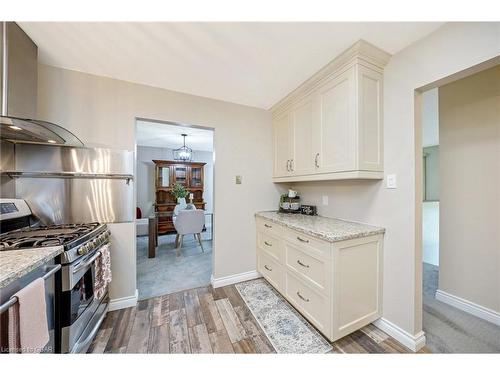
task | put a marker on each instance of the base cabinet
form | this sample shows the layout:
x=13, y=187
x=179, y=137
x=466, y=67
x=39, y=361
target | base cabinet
x=336, y=286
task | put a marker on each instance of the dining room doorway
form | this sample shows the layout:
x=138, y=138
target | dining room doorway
x=174, y=192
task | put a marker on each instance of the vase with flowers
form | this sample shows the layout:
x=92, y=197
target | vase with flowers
x=180, y=193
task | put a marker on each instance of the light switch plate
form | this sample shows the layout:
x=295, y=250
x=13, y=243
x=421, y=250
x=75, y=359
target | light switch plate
x=391, y=181
x=238, y=180
x=325, y=200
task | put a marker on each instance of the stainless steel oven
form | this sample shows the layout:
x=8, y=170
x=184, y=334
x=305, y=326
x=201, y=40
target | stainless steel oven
x=82, y=312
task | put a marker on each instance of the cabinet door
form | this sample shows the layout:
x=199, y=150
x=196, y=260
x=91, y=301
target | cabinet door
x=336, y=128
x=282, y=145
x=196, y=176
x=370, y=121
x=164, y=177
x=180, y=173
x=302, y=158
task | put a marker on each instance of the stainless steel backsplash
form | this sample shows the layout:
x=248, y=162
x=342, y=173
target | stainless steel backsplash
x=72, y=200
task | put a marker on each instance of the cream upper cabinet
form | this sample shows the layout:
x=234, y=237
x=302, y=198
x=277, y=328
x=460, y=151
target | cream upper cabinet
x=282, y=145
x=334, y=128
x=370, y=120
x=331, y=127
x=302, y=161
x=293, y=141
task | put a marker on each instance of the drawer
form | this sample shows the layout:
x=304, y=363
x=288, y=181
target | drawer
x=271, y=270
x=272, y=244
x=315, y=270
x=319, y=247
x=314, y=306
x=268, y=227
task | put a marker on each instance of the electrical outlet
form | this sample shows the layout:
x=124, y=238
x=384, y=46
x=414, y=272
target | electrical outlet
x=325, y=200
x=238, y=180
x=391, y=181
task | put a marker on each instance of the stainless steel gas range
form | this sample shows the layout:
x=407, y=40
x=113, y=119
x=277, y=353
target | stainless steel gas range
x=78, y=310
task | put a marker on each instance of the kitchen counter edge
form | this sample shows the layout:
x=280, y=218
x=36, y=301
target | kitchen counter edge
x=14, y=264
x=335, y=234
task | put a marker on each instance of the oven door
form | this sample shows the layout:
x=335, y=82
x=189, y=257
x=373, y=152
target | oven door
x=78, y=303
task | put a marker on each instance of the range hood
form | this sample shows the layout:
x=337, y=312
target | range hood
x=18, y=94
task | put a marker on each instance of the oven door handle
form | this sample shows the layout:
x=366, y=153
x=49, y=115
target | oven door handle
x=87, y=263
x=90, y=337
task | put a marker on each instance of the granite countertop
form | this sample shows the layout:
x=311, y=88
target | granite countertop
x=17, y=263
x=325, y=228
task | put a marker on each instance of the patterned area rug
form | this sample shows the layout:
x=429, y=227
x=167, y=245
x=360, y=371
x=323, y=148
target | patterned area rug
x=287, y=330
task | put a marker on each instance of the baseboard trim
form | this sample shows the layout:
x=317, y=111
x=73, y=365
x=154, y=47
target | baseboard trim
x=412, y=342
x=233, y=279
x=469, y=307
x=124, y=302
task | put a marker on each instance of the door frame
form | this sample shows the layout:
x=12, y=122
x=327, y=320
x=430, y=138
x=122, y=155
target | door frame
x=165, y=122
x=419, y=194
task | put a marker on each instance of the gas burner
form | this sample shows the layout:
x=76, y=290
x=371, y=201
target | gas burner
x=53, y=235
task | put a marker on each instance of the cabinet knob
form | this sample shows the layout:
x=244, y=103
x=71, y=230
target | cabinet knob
x=267, y=268
x=267, y=243
x=302, y=240
x=316, y=163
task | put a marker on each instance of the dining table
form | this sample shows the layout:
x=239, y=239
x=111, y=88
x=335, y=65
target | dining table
x=153, y=230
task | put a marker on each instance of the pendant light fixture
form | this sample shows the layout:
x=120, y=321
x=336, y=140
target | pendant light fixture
x=183, y=153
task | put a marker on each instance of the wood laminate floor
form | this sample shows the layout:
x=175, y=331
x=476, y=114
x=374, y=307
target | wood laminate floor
x=207, y=320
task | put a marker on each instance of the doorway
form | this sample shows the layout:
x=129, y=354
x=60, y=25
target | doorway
x=175, y=179
x=461, y=214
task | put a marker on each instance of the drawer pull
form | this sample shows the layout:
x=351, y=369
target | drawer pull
x=302, y=298
x=268, y=226
x=267, y=268
x=267, y=243
x=302, y=240
x=302, y=264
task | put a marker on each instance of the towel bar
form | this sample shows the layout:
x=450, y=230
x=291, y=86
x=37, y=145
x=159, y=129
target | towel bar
x=13, y=299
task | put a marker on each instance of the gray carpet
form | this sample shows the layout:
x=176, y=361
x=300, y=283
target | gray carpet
x=286, y=329
x=168, y=273
x=450, y=330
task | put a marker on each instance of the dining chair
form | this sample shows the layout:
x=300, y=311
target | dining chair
x=189, y=222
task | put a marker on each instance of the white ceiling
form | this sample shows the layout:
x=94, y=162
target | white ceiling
x=154, y=134
x=255, y=64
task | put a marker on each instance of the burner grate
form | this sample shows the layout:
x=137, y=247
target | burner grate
x=53, y=235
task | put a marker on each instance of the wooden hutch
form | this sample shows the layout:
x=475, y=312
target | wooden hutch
x=168, y=173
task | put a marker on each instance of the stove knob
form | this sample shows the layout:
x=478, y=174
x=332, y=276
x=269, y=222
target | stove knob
x=83, y=250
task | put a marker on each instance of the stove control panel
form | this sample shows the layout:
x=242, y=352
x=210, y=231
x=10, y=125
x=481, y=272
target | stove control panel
x=94, y=243
x=13, y=209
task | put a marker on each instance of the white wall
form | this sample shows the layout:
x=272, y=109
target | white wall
x=450, y=49
x=430, y=233
x=470, y=188
x=146, y=176
x=431, y=170
x=430, y=117
x=102, y=111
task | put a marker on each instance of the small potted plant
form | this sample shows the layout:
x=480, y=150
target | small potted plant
x=180, y=193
